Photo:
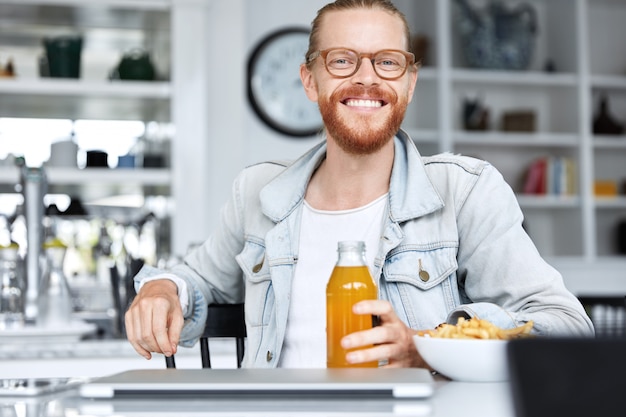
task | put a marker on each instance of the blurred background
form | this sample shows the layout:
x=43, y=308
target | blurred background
x=137, y=117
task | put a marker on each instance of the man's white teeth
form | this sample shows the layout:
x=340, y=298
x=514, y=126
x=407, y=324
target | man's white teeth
x=364, y=103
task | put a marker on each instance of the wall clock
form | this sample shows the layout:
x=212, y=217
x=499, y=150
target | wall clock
x=275, y=91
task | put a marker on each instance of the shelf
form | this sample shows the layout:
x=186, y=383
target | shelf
x=524, y=78
x=80, y=88
x=548, y=201
x=83, y=99
x=90, y=176
x=609, y=81
x=127, y=4
x=601, y=276
x=609, y=141
x=500, y=138
x=618, y=202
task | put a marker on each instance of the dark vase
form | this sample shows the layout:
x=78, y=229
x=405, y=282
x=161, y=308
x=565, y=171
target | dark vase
x=604, y=123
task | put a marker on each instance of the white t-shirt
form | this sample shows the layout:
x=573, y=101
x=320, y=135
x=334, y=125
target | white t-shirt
x=320, y=231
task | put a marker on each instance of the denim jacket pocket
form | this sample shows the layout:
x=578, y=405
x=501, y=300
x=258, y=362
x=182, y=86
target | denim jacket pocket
x=253, y=263
x=258, y=281
x=422, y=268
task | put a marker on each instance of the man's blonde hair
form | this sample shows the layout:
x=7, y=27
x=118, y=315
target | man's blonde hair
x=341, y=5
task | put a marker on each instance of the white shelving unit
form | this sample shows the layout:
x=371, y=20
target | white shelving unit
x=583, y=39
x=169, y=30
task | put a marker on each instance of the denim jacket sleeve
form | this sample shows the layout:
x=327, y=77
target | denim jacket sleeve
x=500, y=269
x=211, y=272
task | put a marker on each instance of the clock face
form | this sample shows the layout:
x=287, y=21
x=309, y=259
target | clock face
x=274, y=86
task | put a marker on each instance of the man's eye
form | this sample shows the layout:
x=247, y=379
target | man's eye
x=388, y=63
x=341, y=62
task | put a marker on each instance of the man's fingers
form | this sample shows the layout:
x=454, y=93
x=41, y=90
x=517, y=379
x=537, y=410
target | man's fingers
x=132, y=331
x=176, y=326
x=139, y=349
x=374, y=336
x=161, y=336
x=155, y=320
x=380, y=308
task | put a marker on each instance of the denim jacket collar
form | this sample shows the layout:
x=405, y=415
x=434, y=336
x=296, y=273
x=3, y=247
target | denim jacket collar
x=411, y=193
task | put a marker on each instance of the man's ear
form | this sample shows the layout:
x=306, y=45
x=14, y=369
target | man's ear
x=308, y=82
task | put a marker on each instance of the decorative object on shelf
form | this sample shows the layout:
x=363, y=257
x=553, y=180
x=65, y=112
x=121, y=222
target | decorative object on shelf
x=275, y=90
x=604, y=123
x=151, y=150
x=63, y=154
x=97, y=159
x=605, y=188
x=550, y=66
x=475, y=115
x=621, y=237
x=497, y=37
x=7, y=70
x=62, y=57
x=518, y=121
x=126, y=161
x=135, y=65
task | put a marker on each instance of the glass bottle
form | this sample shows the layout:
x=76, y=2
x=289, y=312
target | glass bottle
x=349, y=283
x=11, y=288
x=55, y=299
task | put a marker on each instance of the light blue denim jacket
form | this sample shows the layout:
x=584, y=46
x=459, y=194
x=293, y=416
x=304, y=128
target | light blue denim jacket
x=453, y=215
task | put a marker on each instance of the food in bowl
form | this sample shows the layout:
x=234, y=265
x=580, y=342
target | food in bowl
x=473, y=350
x=476, y=328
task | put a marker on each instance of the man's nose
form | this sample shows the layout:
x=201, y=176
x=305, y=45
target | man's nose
x=366, y=74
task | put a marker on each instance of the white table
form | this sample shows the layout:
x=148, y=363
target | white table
x=451, y=399
x=94, y=358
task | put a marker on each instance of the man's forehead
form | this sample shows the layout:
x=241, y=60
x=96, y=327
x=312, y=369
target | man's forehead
x=358, y=28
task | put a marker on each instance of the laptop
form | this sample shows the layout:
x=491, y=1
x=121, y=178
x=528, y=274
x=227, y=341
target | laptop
x=568, y=377
x=269, y=407
x=262, y=383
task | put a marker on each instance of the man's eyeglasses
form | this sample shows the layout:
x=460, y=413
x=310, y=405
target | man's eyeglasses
x=389, y=64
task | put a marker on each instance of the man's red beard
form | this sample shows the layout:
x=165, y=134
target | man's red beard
x=362, y=136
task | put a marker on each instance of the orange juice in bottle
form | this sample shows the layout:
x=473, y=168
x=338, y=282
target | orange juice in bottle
x=349, y=283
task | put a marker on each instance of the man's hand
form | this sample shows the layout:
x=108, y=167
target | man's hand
x=392, y=339
x=155, y=319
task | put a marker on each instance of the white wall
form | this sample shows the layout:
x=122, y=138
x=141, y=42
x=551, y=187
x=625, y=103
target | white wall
x=260, y=142
x=236, y=136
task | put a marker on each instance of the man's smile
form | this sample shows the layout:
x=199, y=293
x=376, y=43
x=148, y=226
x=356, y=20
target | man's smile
x=363, y=103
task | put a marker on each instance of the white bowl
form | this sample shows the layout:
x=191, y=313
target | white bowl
x=468, y=360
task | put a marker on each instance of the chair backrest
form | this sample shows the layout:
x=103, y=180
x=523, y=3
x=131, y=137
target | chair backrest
x=223, y=320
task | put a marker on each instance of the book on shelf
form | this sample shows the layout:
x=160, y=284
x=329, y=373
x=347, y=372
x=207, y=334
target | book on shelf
x=551, y=175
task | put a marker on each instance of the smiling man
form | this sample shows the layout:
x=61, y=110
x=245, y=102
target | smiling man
x=444, y=234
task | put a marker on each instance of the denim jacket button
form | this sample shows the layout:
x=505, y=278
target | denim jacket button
x=269, y=356
x=258, y=266
x=424, y=275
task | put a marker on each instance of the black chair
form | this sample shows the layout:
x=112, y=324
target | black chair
x=223, y=320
